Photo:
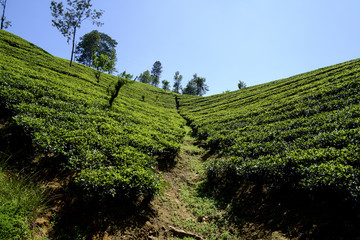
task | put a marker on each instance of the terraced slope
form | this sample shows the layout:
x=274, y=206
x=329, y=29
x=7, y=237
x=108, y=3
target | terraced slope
x=112, y=151
x=302, y=131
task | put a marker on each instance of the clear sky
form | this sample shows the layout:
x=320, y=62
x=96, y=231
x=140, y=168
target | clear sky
x=255, y=41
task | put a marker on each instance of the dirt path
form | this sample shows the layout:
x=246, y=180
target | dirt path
x=181, y=213
x=170, y=208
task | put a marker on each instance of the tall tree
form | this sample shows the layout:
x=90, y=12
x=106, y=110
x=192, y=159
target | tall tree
x=69, y=20
x=201, y=87
x=145, y=77
x=177, y=82
x=95, y=42
x=156, y=73
x=166, y=85
x=4, y=24
x=196, y=86
x=190, y=88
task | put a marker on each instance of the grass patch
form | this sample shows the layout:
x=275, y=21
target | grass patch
x=209, y=221
x=21, y=201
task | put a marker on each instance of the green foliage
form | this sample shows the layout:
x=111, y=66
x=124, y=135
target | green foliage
x=69, y=20
x=95, y=42
x=166, y=85
x=145, y=77
x=114, y=92
x=112, y=151
x=126, y=75
x=102, y=63
x=241, y=84
x=190, y=88
x=196, y=86
x=19, y=203
x=302, y=131
x=177, y=82
x=156, y=73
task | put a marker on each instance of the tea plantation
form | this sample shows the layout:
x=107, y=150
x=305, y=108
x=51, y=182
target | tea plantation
x=110, y=150
x=302, y=132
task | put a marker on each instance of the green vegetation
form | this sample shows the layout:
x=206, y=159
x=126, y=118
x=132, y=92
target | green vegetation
x=97, y=43
x=241, y=84
x=196, y=86
x=301, y=132
x=112, y=151
x=156, y=73
x=298, y=135
x=20, y=202
x=69, y=20
x=102, y=63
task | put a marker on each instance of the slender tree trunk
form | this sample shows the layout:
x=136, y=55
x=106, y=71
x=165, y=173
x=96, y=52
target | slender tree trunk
x=3, y=15
x=73, y=47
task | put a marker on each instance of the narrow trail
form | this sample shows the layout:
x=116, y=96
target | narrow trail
x=170, y=209
x=181, y=213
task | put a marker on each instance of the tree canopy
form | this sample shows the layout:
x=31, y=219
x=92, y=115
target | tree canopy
x=145, y=77
x=68, y=20
x=201, y=87
x=177, y=82
x=190, y=88
x=241, y=84
x=166, y=85
x=156, y=73
x=196, y=86
x=95, y=42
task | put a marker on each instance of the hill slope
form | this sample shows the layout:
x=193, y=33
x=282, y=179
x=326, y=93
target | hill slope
x=295, y=139
x=274, y=150
x=305, y=127
x=66, y=113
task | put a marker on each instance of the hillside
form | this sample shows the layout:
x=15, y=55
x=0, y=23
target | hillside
x=297, y=139
x=273, y=160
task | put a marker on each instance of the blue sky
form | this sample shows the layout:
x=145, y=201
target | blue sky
x=255, y=41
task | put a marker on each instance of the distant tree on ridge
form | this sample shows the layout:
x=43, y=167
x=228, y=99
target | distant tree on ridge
x=166, y=85
x=145, y=77
x=190, y=88
x=201, y=87
x=196, y=86
x=241, y=84
x=156, y=73
x=177, y=82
